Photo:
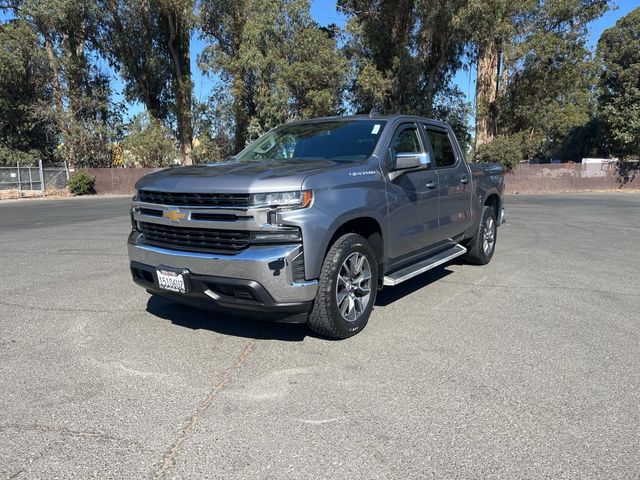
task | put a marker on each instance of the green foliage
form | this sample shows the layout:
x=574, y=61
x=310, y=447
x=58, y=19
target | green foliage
x=24, y=85
x=148, y=43
x=86, y=145
x=10, y=157
x=82, y=183
x=274, y=61
x=404, y=53
x=505, y=150
x=548, y=95
x=271, y=63
x=64, y=109
x=148, y=144
x=619, y=85
x=450, y=106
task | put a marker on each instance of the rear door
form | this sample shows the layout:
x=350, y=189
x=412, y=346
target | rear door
x=454, y=182
x=412, y=197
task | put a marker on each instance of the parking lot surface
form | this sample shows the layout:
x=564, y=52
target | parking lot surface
x=528, y=367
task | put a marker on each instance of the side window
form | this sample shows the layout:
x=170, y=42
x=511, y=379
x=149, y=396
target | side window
x=442, y=148
x=406, y=141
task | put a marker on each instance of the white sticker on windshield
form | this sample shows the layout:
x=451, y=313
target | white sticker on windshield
x=376, y=129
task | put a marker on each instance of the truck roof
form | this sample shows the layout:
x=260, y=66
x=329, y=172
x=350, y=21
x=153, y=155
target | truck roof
x=396, y=116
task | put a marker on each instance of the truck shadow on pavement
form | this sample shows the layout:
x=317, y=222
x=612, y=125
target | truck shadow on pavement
x=391, y=294
x=196, y=319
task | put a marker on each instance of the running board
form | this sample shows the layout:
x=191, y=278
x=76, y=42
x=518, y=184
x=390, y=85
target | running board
x=411, y=271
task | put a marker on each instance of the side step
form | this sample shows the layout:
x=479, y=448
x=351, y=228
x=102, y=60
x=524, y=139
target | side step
x=422, y=266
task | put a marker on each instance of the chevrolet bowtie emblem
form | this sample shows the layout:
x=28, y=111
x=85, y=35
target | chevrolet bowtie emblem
x=174, y=215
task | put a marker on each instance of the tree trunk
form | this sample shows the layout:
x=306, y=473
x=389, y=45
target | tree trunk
x=241, y=123
x=55, y=79
x=487, y=91
x=127, y=57
x=178, y=43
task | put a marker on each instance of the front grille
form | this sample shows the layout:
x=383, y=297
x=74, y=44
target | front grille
x=228, y=200
x=193, y=239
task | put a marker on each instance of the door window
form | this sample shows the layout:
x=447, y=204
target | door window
x=406, y=140
x=442, y=149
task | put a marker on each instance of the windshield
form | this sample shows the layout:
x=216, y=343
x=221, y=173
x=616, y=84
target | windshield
x=340, y=141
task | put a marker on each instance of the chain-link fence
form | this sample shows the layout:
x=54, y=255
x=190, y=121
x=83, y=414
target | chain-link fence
x=33, y=180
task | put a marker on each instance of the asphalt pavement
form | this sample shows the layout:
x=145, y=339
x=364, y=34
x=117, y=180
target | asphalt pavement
x=528, y=367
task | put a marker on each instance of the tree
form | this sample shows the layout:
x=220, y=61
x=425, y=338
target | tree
x=543, y=95
x=148, y=143
x=619, y=85
x=77, y=108
x=148, y=43
x=404, y=53
x=274, y=61
x=24, y=82
x=490, y=27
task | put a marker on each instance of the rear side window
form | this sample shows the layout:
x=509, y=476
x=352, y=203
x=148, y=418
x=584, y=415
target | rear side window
x=442, y=148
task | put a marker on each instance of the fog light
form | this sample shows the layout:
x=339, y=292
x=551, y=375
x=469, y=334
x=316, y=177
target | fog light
x=279, y=236
x=134, y=224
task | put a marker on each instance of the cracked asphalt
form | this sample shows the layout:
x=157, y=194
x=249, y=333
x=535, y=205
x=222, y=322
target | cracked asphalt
x=526, y=368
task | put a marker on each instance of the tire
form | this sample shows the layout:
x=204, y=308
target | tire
x=483, y=244
x=341, y=279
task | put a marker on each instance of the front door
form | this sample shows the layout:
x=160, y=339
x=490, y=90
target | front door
x=412, y=198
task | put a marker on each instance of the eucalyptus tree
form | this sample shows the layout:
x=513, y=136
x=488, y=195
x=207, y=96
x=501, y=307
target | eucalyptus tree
x=77, y=107
x=619, y=85
x=148, y=43
x=274, y=61
x=24, y=83
x=403, y=52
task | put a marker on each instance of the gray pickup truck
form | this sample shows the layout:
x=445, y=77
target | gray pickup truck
x=308, y=222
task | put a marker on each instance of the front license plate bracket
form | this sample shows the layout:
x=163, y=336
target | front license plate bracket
x=172, y=279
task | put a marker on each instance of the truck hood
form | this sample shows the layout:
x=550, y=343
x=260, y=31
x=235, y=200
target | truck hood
x=258, y=176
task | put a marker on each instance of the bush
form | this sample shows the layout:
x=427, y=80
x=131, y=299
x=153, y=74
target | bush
x=148, y=144
x=505, y=150
x=82, y=184
x=86, y=146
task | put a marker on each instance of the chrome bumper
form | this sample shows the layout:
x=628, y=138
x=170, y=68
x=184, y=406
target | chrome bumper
x=269, y=265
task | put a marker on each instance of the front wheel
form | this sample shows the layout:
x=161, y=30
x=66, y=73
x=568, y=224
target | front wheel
x=482, y=245
x=346, y=289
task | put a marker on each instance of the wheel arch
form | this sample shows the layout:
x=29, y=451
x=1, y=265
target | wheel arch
x=493, y=200
x=367, y=226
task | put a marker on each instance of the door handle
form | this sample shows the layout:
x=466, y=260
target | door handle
x=464, y=179
x=431, y=185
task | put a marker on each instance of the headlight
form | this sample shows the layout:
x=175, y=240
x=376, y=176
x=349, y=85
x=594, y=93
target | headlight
x=299, y=199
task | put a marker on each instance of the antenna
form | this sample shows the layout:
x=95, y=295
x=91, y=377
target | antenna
x=373, y=112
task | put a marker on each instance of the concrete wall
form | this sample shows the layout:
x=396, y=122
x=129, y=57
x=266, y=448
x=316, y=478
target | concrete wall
x=568, y=177
x=523, y=179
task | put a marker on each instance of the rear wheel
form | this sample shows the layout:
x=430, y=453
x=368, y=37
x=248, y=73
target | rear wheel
x=482, y=245
x=347, y=288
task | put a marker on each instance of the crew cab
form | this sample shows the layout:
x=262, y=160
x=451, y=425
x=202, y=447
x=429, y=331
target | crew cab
x=312, y=219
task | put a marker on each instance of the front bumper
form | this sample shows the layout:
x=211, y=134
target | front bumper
x=258, y=280
x=501, y=220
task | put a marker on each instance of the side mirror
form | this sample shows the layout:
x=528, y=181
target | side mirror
x=408, y=160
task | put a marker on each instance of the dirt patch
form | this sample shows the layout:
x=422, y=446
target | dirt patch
x=11, y=194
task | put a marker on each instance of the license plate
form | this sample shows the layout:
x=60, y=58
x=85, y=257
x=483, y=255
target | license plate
x=171, y=281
